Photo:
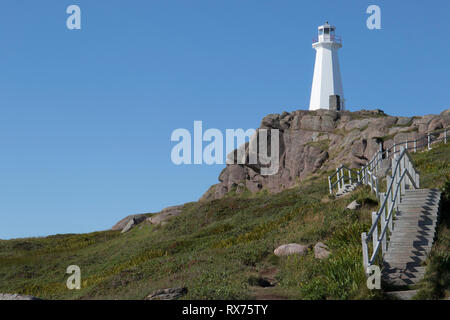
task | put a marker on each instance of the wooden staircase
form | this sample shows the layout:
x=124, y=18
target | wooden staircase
x=413, y=233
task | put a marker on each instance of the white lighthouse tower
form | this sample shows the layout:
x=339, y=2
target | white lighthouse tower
x=326, y=91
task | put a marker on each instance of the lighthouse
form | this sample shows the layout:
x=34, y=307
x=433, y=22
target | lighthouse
x=326, y=91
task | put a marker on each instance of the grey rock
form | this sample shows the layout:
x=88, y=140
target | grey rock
x=291, y=248
x=354, y=205
x=138, y=218
x=167, y=294
x=7, y=296
x=402, y=121
x=129, y=226
x=402, y=295
x=357, y=124
x=271, y=121
x=165, y=214
x=385, y=166
x=321, y=251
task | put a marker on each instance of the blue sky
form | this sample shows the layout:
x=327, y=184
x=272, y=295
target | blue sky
x=86, y=115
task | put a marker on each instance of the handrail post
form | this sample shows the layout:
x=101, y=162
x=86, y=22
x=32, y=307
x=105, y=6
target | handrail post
x=371, y=181
x=375, y=185
x=365, y=251
x=338, y=179
x=383, y=239
x=402, y=185
x=350, y=176
x=417, y=180
x=329, y=185
x=411, y=172
x=428, y=139
x=375, y=231
x=383, y=223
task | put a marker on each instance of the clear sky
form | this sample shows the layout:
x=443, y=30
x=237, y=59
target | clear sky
x=86, y=115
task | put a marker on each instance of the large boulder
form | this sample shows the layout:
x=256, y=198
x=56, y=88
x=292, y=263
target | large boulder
x=291, y=248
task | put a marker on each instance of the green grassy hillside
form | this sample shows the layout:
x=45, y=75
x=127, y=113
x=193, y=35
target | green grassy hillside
x=219, y=249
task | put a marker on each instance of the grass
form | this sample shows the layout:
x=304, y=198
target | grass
x=435, y=173
x=220, y=249
x=213, y=249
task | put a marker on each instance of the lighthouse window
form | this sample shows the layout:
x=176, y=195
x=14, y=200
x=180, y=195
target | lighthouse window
x=326, y=30
x=321, y=32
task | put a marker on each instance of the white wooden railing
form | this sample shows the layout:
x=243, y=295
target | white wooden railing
x=404, y=176
x=367, y=174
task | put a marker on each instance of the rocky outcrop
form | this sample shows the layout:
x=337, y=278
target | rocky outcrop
x=310, y=141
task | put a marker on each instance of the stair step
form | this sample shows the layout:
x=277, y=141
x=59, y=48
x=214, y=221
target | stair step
x=420, y=201
x=411, y=239
x=403, y=295
x=420, y=195
x=403, y=274
x=405, y=261
x=393, y=267
x=401, y=251
x=412, y=206
x=414, y=228
x=412, y=235
x=393, y=257
x=412, y=222
x=412, y=242
x=421, y=204
x=407, y=272
x=408, y=247
x=417, y=218
x=423, y=190
x=416, y=213
x=406, y=243
x=402, y=282
x=417, y=208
